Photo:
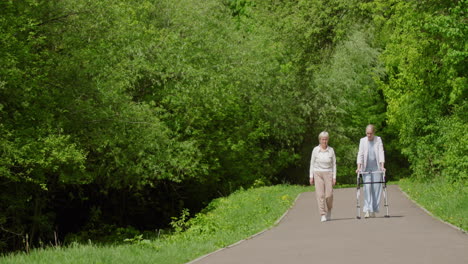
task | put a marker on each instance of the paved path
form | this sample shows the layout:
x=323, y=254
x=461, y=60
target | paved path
x=410, y=235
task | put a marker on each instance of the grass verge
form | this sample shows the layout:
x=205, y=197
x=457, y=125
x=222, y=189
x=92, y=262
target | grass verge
x=230, y=219
x=447, y=201
x=225, y=221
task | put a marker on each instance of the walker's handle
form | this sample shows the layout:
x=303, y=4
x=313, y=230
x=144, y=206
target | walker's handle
x=369, y=172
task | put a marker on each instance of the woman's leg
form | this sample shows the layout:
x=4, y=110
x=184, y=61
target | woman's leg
x=377, y=192
x=320, y=192
x=328, y=180
x=367, y=192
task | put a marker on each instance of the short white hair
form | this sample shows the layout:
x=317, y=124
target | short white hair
x=370, y=126
x=323, y=134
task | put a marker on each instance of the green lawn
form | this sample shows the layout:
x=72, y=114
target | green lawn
x=447, y=201
x=230, y=219
x=224, y=222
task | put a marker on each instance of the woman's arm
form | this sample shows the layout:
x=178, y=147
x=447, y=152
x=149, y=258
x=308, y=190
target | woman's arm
x=311, y=170
x=381, y=152
x=334, y=167
x=360, y=156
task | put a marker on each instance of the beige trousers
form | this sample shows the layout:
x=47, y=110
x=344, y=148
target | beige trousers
x=324, y=190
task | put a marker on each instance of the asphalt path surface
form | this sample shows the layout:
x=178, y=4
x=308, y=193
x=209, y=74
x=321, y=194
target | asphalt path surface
x=409, y=235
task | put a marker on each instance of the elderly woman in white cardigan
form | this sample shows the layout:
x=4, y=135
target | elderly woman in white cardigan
x=371, y=158
x=323, y=175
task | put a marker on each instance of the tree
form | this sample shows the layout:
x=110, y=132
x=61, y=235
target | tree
x=426, y=89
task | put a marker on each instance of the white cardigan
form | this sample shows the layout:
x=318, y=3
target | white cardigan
x=364, y=149
x=317, y=165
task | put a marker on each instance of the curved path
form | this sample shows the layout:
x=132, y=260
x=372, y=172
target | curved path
x=410, y=235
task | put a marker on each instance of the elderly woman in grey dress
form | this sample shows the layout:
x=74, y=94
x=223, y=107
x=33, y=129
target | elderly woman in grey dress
x=370, y=159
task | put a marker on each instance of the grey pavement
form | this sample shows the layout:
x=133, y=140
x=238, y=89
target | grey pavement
x=410, y=235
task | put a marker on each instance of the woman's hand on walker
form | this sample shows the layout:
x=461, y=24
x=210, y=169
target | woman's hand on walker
x=311, y=181
x=334, y=182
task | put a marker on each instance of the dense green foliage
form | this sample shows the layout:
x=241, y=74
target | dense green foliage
x=123, y=113
x=223, y=222
x=117, y=115
x=426, y=86
x=425, y=55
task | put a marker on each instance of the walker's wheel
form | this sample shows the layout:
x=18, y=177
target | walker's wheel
x=358, y=217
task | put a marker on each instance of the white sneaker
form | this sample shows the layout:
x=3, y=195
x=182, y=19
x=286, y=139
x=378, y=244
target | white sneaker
x=372, y=215
x=323, y=219
x=366, y=215
x=328, y=215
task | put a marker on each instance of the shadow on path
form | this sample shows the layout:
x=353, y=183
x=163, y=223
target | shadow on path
x=340, y=219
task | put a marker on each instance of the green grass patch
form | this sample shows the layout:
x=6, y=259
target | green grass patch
x=225, y=221
x=447, y=201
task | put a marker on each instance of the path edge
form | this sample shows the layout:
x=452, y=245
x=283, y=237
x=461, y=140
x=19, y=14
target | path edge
x=431, y=214
x=250, y=237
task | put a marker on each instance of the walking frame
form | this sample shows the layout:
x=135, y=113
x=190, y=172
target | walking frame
x=360, y=181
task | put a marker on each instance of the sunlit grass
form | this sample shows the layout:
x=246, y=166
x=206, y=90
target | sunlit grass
x=447, y=201
x=230, y=219
x=224, y=222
